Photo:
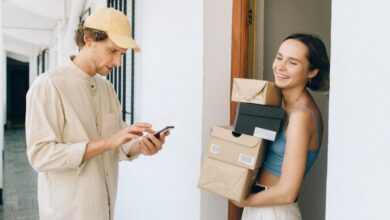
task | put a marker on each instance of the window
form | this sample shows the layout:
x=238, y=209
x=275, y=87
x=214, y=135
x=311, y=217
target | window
x=42, y=61
x=124, y=82
x=85, y=14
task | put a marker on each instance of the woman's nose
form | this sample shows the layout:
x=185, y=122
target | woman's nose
x=280, y=65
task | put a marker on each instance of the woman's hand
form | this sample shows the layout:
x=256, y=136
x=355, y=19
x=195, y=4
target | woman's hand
x=243, y=203
x=248, y=201
x=238, y=204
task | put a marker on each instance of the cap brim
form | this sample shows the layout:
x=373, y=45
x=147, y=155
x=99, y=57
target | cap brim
x=124, y=41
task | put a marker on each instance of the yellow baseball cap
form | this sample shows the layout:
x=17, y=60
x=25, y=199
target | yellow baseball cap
x=115, y=24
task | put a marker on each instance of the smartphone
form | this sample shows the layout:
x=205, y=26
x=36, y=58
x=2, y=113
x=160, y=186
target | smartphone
x=167, y=128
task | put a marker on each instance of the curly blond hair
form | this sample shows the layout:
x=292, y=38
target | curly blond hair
x=81, y=31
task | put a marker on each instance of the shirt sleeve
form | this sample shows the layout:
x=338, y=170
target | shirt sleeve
x=125, y=148
x=45, y=121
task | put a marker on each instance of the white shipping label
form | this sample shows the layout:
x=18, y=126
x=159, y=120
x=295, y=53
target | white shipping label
x=246, y=159
x=215, y=149
x=264, y=133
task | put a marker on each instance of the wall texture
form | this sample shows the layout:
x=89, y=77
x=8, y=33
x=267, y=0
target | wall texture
x=169, y=91
x=216, y=88
x=358, y=155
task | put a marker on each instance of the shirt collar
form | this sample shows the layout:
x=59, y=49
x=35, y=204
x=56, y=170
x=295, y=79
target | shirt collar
x=77, y=69
x=79, y=72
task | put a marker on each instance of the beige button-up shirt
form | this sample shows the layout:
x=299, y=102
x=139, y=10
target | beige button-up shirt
x=66, y=108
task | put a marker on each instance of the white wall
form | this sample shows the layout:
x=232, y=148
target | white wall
x=358, y=155
x=281, y=19
x=216, y=89
x=169, y=92
x=2, y=97
x=183, y=78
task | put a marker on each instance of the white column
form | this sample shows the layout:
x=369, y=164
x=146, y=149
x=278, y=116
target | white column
x=66, y=30
x=60, y=41
x=32, y=69
x=217, y=26
x=2, y=97
x=359, y=150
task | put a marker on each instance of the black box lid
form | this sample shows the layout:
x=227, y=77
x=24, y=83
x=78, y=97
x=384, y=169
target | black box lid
x=260, y=110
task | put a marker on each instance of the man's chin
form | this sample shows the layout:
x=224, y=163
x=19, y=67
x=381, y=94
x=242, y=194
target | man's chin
x=105, y=73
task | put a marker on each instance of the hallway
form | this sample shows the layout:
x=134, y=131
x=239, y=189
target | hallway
x=20, y=180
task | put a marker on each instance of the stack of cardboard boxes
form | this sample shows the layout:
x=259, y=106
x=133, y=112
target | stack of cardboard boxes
x=235, y=154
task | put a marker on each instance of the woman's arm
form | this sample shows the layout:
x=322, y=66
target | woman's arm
x=293, y=168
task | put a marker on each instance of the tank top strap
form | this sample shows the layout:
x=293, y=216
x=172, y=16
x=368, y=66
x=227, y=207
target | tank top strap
x=316, y=121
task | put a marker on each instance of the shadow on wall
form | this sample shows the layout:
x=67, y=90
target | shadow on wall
x=312, y=199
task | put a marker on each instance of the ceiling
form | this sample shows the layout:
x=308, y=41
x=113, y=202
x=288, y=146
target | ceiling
x=27, y=26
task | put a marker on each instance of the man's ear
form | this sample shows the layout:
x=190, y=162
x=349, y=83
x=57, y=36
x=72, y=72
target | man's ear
x=87, y=40
x=313, y=73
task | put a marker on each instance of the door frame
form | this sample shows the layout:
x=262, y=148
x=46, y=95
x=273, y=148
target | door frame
x=239, y=62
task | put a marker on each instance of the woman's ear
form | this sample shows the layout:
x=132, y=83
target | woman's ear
x=313, y=73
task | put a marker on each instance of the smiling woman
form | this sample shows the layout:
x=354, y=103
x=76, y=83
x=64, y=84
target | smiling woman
x=301, y=60
x=318, y=59
x=299, y=53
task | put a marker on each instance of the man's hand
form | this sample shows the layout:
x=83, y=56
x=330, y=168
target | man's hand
x=121, y=137
x=150, y=145
x=126, y=134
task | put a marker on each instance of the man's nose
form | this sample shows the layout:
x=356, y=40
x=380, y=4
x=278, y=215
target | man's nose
x=117, y=60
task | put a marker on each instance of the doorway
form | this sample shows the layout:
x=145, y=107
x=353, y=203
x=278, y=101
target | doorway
x=17, y=87
x=275, y=20
x=282, y=18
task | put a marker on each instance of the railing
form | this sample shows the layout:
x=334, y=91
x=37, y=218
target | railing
x=118, y=76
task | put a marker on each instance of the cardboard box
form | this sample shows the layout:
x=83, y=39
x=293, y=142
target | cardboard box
x=258, y=120
x=227, y=180
x=256, y=91
x=239, y=149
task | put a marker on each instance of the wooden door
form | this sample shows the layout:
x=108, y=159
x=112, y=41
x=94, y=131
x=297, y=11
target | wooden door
x=243, y=58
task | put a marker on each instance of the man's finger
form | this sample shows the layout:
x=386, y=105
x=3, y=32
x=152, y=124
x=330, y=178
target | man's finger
x=149, y=148
x=137, y=130
x=148, y=143
x=153, y=139
x=143, y=125
x=163, y=135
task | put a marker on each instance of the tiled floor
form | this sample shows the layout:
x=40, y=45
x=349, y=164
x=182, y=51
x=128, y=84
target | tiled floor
x=20, y=180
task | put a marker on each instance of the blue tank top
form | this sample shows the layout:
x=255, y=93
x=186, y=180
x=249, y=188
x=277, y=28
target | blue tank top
x=275, y=151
